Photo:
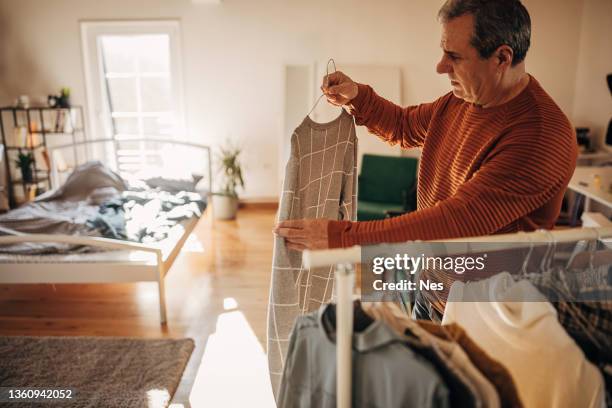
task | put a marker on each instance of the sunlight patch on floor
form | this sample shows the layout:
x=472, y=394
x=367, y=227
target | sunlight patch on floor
x=157, y=398
x=229, y=303
x=234, y=368
x=192, y=244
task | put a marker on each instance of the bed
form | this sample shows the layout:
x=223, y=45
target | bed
x=96, y=250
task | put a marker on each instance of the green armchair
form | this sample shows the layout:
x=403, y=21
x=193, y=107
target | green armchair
x=387, y=186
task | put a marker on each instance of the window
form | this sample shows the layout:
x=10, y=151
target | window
x=133, y=86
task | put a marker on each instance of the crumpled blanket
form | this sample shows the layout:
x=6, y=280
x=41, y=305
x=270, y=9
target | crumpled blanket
x=63, y=211
x=109, y=221
x=145, y=216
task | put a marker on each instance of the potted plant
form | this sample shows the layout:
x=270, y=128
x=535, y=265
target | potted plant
x=24, y=162
x=64, y=99
x=225, y=201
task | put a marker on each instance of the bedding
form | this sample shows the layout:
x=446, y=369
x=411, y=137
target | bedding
x=97, y=202
x=171, y=180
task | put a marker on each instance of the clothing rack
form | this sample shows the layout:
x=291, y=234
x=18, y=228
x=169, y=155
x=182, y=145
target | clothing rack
x=344, y=259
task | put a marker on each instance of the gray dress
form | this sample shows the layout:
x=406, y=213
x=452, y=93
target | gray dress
x=320, y=182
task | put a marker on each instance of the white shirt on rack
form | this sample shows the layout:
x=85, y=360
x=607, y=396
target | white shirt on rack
x=513, y=323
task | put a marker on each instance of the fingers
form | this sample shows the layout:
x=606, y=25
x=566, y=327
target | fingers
x=328, y=84
x=339, y=89
x=296, y=247
x=337, y=83
x=303, y=234
x=286, y=225
x=295, y=239
x=291, y=234
x=292, y=230
x=290, y=224
x=333, y=79
x=336, y=100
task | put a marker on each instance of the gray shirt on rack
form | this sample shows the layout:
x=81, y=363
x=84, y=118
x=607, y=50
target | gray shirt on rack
x=386, y=372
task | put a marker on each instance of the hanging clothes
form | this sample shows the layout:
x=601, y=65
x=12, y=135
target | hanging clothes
x=320, y=182
x=548, y=367
x=454, y=358
x=583, y=300
x=493, y=371
x=386, y=373
x=461, y=390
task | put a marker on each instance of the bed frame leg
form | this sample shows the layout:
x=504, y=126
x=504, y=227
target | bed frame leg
x=162, y=298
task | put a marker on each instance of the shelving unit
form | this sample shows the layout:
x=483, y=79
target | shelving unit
x=30, y=130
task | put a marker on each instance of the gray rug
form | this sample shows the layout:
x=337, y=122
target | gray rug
x=102, y=371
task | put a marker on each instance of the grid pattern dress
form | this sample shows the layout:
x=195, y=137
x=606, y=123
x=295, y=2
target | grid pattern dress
x=320, y=182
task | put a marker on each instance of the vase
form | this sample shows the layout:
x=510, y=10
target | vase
x=26, y=174
x=224, y=206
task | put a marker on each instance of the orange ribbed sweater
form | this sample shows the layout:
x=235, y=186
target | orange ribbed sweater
x=482, y=170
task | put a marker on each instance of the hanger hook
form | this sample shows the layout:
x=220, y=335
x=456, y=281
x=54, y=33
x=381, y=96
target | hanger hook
x=549, y=249
x=331, y=60
x=553, y=248
x=327, y=67
x=526, y=261
x=594, y=248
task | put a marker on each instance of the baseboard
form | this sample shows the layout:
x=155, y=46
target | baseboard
x=259, y=203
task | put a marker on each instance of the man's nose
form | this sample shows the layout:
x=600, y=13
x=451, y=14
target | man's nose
x=443, y=67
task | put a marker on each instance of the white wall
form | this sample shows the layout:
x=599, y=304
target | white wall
x=235, y=55
x=593, y=102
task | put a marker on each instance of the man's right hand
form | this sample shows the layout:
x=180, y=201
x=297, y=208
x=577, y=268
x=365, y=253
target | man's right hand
x=339, y=89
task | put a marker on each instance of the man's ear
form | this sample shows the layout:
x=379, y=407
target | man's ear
x=504, y=56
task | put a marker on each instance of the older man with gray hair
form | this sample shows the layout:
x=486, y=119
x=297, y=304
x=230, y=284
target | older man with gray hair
x=498, y=152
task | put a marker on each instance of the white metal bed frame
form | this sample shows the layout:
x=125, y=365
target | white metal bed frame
x=146, y=263
x=344, y=259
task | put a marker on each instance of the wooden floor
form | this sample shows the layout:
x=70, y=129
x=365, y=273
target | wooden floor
x=217, y=294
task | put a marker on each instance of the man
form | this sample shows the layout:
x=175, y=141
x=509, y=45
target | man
x=498, y=152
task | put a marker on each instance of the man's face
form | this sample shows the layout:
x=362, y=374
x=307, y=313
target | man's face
x=472, y=78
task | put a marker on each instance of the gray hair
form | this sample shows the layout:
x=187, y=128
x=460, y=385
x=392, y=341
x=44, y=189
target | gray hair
x=496, y=23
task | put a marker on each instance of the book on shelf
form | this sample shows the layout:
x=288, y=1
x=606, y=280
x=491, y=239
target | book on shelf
x=31, y=192
x=19, y=137
x=45, y=155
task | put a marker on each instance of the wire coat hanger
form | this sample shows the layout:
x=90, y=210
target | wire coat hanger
x=594, y=250
x=524, y=272
x=551, y=248
x=322, y=94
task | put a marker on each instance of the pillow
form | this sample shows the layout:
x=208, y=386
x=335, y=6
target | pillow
x=102, y=194
x=174, y=185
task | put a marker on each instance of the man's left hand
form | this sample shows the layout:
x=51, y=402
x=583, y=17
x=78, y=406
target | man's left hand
x=304, y=234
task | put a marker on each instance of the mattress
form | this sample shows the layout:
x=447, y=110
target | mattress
x=169, y=247
x=97, y=202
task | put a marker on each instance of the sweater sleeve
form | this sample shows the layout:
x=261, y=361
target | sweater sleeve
x=292, y=174
x=520, y=175
x=390, y=122
x=348, y=198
